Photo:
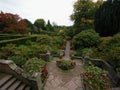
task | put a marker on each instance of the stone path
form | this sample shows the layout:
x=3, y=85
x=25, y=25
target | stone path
x=61, y=80
x=67, y=50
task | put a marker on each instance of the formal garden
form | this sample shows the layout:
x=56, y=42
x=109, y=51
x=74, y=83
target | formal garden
x=94, y=42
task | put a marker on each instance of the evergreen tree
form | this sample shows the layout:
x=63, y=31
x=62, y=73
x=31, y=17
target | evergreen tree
x=49, y=26
x=107, y=18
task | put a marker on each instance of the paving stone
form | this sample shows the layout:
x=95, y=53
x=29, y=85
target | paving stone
x=48, y=84
x=58, y=80
x=71, y=85
x=54, y=84
x=46, y=88
x=50, y=77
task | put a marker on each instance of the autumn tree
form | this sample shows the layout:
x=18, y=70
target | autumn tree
x=11, y=23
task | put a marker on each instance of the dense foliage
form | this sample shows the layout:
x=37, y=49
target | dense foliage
x=12, y=23
x=83, y=15
x=33, y=65
x=86, y=38
x=95, y=78
x=107, y=18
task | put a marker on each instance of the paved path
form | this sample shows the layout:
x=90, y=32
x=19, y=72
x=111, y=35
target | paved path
x=61, y=80
x=67, y=50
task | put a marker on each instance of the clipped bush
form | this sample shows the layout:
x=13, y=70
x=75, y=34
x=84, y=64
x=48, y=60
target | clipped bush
x=86, y=38
x=18, y=60
x=18, y=41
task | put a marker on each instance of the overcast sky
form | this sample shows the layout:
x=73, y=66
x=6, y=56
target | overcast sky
x=57, y=11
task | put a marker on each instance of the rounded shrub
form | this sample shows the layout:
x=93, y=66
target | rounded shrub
x=33, y=65
x=86, y=38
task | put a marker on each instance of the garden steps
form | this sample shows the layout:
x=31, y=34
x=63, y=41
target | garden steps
x=9, y=82
x=11, y=77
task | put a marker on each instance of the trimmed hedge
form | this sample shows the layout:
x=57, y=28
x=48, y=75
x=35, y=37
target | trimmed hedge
x=17, y=40
x=8, y=37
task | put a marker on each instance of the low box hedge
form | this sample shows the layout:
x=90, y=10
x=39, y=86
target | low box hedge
x=17, y=40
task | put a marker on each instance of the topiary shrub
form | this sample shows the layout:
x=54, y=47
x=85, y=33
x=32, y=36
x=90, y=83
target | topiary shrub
x=86, y=38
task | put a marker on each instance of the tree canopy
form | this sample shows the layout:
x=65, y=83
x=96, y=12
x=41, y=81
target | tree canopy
x=107, y=18
x=40, y=24
x=83, y=14
x=12, y=23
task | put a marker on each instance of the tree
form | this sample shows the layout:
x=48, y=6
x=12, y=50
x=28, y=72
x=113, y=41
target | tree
x=49, y=26
x=40, y=24
x=107, y=18
x=83, y=16
x=12, y=23
x=29, y=25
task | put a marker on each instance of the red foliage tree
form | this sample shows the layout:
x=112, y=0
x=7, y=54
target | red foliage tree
x=12, y=23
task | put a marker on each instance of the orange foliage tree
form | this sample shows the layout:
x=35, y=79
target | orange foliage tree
x=12, y=23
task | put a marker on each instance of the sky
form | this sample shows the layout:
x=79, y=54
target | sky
x=57, y=11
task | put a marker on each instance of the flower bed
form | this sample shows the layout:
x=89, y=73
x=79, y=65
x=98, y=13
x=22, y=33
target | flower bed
x=65, y=64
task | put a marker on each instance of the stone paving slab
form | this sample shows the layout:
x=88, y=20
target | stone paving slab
x=60, y=80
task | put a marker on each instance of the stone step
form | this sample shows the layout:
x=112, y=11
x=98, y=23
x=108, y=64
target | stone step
x=14, y=85
x=5, y=79
x=8, y=84
x=21, y=87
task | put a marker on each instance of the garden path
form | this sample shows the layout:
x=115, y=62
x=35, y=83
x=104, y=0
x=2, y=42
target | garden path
x=64, y=80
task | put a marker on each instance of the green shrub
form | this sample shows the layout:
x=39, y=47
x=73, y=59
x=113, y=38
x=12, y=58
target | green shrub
x=23, y=51
x=7, y=51
x=17, y=41
x=113, y=57
x=44, y=39
x=104, y=43
x=33, y=65
x=86, y=38
x=115, y=41
x=78, y=52
x=87, y=52
x=18, y=60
